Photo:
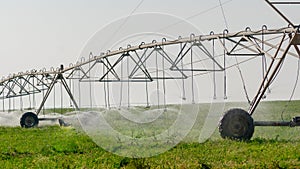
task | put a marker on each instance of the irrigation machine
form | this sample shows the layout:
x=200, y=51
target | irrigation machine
x=272, y=44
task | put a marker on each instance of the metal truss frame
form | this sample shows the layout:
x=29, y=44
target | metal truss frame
x=19, y=84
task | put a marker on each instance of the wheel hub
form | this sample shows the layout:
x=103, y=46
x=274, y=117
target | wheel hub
x=29, y=121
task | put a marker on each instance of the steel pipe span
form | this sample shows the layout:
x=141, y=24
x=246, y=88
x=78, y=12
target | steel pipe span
x=200, y=38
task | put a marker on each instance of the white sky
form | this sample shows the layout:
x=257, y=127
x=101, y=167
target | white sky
x=45, y=33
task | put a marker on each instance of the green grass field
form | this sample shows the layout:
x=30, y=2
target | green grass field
x=56, y=147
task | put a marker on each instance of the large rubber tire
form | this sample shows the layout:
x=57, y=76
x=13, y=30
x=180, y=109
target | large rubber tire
x=236, y=124
x=29, y=120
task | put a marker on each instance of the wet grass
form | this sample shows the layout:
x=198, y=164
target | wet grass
x=55, y=147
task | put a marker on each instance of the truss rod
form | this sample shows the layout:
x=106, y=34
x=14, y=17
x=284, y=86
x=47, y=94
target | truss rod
x=267, y=80
x=63, y=81
x=285, y=3
x=279, y=12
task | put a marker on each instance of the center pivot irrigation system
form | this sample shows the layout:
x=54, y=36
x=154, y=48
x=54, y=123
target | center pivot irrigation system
x=272, y=46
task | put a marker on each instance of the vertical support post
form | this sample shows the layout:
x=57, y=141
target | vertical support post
x=157, y=79
x=224, y=65
x=214, y=67
x=128, y=81
x=3, y=100
x=192, y=71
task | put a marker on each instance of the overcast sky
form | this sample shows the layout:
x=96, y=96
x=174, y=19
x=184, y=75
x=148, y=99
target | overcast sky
x=45, y=33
